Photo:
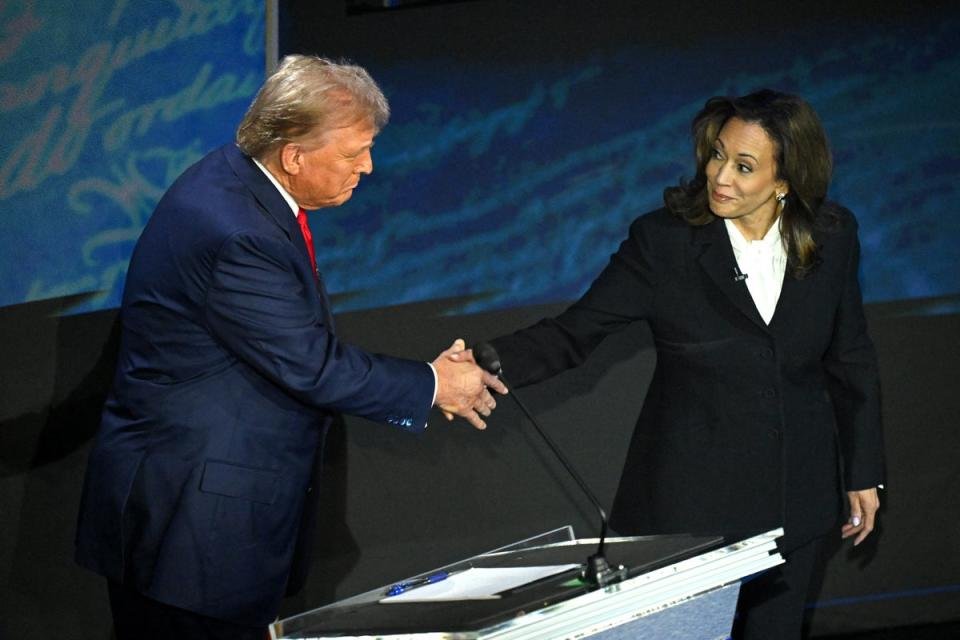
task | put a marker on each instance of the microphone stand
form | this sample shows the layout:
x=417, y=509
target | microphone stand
x=596, y=571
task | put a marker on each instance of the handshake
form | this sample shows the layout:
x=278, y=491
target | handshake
x=463, y=388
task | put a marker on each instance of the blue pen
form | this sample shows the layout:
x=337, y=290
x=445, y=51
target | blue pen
x=401, y=587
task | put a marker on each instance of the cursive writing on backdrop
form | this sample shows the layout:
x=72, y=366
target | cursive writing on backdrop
x=102, y=105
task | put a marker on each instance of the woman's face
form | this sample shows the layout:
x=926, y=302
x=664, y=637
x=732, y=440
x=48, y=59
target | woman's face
x=741, y=175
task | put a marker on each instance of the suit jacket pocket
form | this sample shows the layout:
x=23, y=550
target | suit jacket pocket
x=702, y=346
x=236, y=481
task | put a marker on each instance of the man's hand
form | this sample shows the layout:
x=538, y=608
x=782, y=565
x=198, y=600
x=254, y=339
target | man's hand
x=462, y=387
x=863, y=512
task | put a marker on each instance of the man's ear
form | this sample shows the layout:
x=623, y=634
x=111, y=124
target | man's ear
x=290, y=155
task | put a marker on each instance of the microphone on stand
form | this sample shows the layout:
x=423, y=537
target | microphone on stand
x=596, y=571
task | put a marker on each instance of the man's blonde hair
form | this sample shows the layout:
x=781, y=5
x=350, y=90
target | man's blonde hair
x=308, y=96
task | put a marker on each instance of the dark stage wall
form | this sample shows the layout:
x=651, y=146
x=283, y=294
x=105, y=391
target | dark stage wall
x=395, y=504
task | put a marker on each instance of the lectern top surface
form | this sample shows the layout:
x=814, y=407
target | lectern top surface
x=372, y=618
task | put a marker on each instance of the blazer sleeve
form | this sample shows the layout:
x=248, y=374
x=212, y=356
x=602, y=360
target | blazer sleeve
x=261, y=311
x=854, y=383
x=620, y=295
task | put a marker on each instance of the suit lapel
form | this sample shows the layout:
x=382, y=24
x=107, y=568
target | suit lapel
x=325, y=303
x=265, y=193
x=719, y=264
x=277, y=209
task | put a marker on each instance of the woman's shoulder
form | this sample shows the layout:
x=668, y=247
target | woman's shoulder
x=658, y=232
x=834, y=218
x=659, y=221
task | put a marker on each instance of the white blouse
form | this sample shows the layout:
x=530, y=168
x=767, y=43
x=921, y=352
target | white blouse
x=763, y=262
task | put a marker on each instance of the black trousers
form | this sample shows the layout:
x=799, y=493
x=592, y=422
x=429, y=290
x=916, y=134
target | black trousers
x=137, y=617
x=772, y=604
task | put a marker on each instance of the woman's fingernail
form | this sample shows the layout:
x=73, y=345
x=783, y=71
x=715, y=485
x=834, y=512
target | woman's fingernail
x=855, y=520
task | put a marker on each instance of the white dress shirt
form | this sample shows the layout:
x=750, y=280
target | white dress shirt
x=763, y=262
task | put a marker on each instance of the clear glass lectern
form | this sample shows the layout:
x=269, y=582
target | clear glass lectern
x=677, y=586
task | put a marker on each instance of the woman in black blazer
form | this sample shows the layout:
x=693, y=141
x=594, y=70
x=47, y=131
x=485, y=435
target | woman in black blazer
x=763, y=410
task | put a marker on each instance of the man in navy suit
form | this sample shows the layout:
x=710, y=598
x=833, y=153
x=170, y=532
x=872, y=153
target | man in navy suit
x=229, y=372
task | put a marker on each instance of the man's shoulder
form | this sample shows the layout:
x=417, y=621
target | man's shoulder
x=211, y=191
x=212, y=172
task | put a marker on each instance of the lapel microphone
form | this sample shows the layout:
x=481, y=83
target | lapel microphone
x=738, y=276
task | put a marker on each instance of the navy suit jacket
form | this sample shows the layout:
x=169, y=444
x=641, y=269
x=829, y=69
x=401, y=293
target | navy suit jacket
x=745, y=426
x=228, y=375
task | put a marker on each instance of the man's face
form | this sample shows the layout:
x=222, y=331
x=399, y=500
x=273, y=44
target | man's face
x=326, y=170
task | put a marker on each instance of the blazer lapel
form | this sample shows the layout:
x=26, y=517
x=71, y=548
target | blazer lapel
x=719, y=264
x=792, y=296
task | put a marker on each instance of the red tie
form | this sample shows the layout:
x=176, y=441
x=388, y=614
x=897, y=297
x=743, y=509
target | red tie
x=307, y=238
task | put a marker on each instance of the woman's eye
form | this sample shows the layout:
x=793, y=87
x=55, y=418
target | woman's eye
x=744, y=168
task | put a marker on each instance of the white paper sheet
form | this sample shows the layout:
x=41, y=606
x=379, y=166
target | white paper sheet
x=479, y=583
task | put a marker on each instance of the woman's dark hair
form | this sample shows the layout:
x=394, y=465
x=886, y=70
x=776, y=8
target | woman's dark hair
x=802, y=157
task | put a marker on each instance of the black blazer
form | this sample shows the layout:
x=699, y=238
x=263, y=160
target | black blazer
x=745, y=426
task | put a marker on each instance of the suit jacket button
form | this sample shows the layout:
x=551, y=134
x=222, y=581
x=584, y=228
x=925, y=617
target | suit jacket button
x=769, y=393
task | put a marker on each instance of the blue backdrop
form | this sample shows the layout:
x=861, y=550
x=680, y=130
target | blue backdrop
x=102, y=105
x=505, y=184
x=515, y=183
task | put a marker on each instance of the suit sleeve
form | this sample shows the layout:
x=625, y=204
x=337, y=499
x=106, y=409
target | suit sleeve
x=260, y=310
x=621, y=294
x=854, y=384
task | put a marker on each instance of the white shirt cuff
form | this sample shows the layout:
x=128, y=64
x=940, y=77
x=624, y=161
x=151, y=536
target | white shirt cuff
x=436, y=383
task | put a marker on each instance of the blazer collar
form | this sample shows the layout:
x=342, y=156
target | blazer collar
x=718, y=263
x=792, y=300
